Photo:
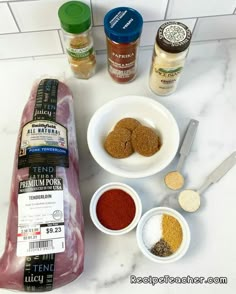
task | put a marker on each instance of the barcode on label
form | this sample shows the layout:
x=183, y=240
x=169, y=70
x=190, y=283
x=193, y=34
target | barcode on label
x=40, y=244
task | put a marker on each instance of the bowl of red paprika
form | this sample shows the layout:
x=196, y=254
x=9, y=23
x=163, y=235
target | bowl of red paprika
x=115, y=208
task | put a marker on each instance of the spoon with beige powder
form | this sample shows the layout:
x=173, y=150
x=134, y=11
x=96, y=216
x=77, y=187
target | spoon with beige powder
x=190, y=200
x=174, y=179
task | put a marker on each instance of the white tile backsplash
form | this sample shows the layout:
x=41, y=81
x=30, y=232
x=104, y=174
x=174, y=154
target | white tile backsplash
x=7, y=23
x=41, y=15
x=29, y=44
x=196, y=8
x=32, y=15
x=99, y=38
x=211, y=28
x=33, y=24
x=151, y=10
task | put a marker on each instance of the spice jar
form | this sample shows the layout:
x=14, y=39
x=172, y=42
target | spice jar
x=169, y=55
x=75, y=18
x=123, y=27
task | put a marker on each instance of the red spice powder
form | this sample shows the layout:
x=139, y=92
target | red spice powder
x=122, y=60
x=115, y=209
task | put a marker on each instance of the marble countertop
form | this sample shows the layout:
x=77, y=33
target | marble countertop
x=207, y=93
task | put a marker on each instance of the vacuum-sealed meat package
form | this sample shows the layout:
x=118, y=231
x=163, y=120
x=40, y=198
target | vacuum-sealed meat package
x=44, y=240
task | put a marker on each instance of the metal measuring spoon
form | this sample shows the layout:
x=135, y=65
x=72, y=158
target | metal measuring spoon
x=174, y=179
x=190, y=201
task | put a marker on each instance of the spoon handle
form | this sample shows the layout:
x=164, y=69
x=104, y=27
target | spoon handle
x=187, y=142
x=219, y=172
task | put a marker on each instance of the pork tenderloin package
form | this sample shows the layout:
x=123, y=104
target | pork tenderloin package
x=44, y=239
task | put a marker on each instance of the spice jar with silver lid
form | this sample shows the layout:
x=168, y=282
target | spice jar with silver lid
x=169, y=55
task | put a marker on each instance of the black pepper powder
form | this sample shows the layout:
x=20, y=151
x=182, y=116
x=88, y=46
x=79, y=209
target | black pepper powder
x=161, y=248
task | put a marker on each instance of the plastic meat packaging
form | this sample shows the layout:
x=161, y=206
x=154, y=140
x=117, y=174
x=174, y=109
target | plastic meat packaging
x=44, y=239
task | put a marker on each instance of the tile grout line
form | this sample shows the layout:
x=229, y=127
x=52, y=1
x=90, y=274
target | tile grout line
x=102, y=51
x=32, y=57
x=167, y=8
x=97, y=26
x=62, y=47
x=181, y=18
x=203, y=16
x=91, y=7
x=28, y=32
x=214, y=40
x=196, y=22
x=13, y=16
x=14, y=1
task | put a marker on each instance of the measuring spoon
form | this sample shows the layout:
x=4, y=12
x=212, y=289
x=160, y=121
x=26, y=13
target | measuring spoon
x=174, y=179
x=189, y=200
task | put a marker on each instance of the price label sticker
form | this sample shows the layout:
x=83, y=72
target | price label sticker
x=40, y=222
x=52, y=231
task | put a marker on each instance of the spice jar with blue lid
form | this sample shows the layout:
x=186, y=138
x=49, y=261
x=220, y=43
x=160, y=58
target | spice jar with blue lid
x=123, y=27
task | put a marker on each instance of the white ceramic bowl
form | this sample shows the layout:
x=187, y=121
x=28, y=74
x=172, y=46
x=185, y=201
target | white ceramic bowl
x=150, y=113
x=98, y=194
x=186, y=235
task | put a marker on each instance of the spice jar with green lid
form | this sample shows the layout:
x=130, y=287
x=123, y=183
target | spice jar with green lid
x=75, y=19
x=169, y=55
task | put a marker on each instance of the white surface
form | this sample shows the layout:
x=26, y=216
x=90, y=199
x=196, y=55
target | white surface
x=193, y=8
x=149, y=113
x=207, y=93
x=155, y=10
x=7, y=24
x=100, y=192
x=185, y=229
x=29, y=44
x=211, y=28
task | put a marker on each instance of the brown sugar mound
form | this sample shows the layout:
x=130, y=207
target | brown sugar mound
x=145, y=141
x=128, y=123
x=118, y=143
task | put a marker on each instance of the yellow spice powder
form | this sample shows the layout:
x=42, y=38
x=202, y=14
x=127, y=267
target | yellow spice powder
x=172, y=232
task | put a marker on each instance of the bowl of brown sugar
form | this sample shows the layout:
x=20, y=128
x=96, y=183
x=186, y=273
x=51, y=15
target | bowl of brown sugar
x=163, y=235
x=133, y=136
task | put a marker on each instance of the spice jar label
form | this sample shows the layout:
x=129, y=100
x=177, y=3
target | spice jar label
x=80, y=52
x=169, y=72
x=165, y=78
x=121, y=61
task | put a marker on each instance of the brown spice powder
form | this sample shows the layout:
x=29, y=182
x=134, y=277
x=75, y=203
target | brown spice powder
x=172, y=232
